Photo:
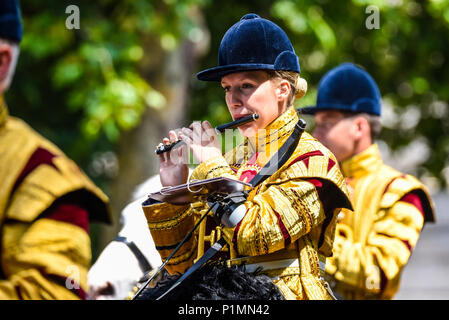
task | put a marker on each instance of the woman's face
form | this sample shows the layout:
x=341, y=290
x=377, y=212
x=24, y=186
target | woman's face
x=253, y=92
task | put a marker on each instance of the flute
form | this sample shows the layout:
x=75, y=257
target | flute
x=219, y=129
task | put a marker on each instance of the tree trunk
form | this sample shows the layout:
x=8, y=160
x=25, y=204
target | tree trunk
x=169, y=73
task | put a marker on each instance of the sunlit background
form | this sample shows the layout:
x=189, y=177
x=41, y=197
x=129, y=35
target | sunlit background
x=107, y=93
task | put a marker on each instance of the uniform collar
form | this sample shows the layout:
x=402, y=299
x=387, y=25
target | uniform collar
x=363, y=163
x=3, y=111
x=275, y=133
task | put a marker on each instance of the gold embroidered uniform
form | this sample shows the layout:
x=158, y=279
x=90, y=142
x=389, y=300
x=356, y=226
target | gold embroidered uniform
x=373, y=243
x=43, y=255
x=290, y=217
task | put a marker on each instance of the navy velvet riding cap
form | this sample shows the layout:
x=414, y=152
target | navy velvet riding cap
x=347, y=88
x=10, y=23
x=253, y=43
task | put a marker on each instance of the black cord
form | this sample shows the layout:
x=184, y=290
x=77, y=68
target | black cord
x=186, y=238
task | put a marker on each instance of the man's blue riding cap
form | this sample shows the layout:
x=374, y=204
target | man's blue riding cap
x=347, y=88
x=10, y=23
x=253, y=43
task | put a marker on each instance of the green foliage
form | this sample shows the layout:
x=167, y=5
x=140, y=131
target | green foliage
x=407, y=56
x=82, y=88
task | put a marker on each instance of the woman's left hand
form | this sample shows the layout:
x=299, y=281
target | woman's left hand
x=202, y=140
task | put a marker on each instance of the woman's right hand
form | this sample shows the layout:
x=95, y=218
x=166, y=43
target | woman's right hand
x=173, y=169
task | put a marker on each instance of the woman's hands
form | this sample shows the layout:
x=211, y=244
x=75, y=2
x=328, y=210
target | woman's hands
x=200, y=138
x=173, y=170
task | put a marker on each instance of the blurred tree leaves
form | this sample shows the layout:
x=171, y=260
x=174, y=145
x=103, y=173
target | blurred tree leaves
x=83, y=88
x=407, y=56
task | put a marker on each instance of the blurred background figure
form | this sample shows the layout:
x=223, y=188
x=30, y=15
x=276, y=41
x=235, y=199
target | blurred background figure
x=108, y=92
x=374, y=242
x=121, y=264
x=46, y=201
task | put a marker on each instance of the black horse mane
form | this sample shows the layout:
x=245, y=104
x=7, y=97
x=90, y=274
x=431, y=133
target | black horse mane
x=215, y=281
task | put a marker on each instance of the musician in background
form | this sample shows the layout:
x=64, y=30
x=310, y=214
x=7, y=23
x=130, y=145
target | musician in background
x=46, y=201
x=374, y=242
x=288, y=228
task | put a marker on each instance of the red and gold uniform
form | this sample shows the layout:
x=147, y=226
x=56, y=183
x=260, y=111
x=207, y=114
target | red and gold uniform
x=291, y=216
x=374, y=242
x=46, y=204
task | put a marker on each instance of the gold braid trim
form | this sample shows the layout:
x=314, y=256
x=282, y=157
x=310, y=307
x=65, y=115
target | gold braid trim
x=221, y=168
x=181, y=262
x=171, y=237
x=215, y=167
x=295, y=203
x=170, y=223
x=275, y=131
x=302, y=205
x=183, y=257
x=310, y=271
x=290, y=287
x=282, y=272
x=162, y=212
x=277, y=134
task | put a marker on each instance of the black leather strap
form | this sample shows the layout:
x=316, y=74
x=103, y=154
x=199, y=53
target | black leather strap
x=216, y=247
x=145, y=266
x=281, y=156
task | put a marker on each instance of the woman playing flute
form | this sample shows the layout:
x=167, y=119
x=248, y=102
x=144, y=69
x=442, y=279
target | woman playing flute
x=289, y=224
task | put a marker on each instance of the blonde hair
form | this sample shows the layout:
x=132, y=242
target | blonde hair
x=298, y=85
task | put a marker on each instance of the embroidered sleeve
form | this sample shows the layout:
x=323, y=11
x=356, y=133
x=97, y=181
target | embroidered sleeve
x=48, y=258
x=168, y=225
x=215, y=167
